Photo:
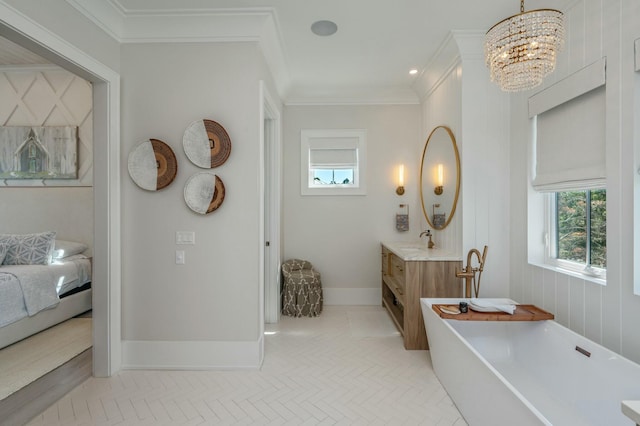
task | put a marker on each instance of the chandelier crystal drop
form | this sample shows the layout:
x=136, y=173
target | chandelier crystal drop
x=521, y=50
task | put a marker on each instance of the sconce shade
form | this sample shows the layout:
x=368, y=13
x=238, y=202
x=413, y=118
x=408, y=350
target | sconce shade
x=521, y=50
x=400, y=188
x=439, y=188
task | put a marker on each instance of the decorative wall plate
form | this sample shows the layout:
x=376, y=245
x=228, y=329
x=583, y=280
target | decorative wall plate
x=204, y=192
x=152, y=165
x=206, y=144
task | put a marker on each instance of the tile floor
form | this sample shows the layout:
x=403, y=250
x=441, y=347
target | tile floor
x=346, y=367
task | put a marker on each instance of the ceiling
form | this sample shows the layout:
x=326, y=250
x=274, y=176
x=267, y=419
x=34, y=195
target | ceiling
x=377, y=42
x=12, y=54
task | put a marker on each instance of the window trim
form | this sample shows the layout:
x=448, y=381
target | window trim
x=307, y=144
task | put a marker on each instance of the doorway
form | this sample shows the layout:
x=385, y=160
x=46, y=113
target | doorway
x=271, y=145
x=106, y=200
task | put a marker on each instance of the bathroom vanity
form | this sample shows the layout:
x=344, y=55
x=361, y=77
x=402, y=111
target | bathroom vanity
x=412, y=271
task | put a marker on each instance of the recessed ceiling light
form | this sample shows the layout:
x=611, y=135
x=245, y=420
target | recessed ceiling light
x=324, y=28
x=413, y=71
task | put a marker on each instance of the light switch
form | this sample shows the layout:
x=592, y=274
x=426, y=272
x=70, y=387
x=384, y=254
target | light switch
x=180, y=257
x=185, y=237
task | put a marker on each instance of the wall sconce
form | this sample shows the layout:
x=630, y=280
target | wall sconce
x=400, y=188
x=439, y=180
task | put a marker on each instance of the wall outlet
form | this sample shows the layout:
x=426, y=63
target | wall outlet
x=180, y=257
x=185, y=237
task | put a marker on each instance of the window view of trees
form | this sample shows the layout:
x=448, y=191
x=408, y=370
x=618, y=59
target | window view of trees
x=582, y=227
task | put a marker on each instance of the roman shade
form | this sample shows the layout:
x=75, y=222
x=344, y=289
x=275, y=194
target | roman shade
x=570, y=118
x=333, y=155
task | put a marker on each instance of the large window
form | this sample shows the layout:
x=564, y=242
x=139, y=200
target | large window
x=569, y=166
x=579, y=230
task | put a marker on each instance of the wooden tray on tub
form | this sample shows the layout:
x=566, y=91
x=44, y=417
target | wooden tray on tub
x=522, y=313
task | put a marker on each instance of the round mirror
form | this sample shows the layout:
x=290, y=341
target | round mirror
x=440, y=177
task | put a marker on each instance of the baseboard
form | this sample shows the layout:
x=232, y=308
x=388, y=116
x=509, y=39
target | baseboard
x=191, y=355
x=352, y=296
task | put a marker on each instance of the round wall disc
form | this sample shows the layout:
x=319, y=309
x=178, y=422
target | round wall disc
x=206, y=143
x=204, y=192
x=152, y=165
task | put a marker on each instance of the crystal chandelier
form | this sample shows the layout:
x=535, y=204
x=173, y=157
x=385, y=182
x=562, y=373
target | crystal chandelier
x=521, y=50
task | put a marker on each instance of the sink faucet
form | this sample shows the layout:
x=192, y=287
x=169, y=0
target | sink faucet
x=469, y=272
x=431, y=244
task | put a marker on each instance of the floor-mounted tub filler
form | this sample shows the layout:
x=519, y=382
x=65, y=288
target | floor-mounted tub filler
x=528, y=372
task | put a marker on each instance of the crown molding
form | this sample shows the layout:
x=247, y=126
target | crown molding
x=459, y=46
x=259, y=25
x=216, y=25
x=161, y=25
x=470, y=44
x=322, y=96
x=446, y=58
x=104, y=14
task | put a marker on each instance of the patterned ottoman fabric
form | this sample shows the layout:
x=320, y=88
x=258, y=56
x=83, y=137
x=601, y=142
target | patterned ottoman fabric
x=302, y=289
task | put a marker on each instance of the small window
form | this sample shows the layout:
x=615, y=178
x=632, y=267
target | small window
x=333, y=162
x=579, y=231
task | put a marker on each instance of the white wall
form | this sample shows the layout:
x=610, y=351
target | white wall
x=341, y=235
x=606, y=314
x=442, y=107
x=211, y=304
x=68, y=211
x=485, y=165
x=457, y=92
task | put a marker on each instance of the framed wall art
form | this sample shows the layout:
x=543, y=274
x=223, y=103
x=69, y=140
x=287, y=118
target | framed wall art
x=29, y=152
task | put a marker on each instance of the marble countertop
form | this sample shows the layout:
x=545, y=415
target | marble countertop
x=418, y=251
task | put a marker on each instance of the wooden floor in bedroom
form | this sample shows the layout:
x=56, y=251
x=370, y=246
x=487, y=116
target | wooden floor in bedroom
x=39, y=370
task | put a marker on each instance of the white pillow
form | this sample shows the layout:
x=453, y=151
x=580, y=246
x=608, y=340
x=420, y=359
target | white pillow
x=68, y=248
x=28, y=249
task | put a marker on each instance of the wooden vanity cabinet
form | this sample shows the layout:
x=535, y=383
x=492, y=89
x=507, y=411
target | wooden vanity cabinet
x=404, y=282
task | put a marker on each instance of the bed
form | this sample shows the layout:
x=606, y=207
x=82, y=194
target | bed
x=41, y=287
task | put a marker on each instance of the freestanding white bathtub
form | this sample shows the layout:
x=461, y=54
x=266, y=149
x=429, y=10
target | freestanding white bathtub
x=528, y=373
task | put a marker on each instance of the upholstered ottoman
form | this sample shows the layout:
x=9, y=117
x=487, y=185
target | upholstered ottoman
x=301, y=288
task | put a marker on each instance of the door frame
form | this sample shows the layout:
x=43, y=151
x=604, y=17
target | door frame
x=107, y=340
x=270, y=174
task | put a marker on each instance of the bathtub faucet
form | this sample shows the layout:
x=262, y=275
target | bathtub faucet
x=469, y=272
